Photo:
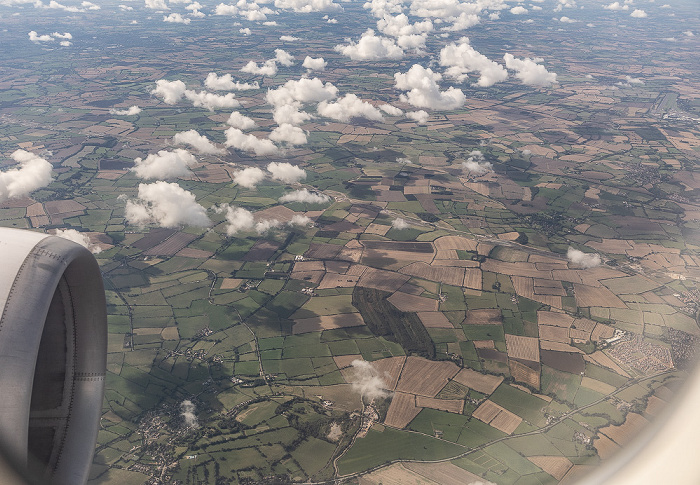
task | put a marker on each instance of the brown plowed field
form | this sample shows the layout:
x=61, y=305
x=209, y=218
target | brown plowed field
x=526, y=348
x=425, y=377
x=450, y=405
x=557, y=466
x=482, y=383
x=402, y=410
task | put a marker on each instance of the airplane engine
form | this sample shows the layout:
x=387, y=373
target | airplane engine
x=53, y=347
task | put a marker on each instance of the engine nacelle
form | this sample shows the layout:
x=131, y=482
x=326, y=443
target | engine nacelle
x=53, y=348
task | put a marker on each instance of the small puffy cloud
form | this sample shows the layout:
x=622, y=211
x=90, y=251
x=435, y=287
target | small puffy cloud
x=226, y=83
x=289, y=38
x=164, y=164
x=584, y=260
x=391, y=110
x=367, y=381
x=689, y=33
x=567, y=20
x=462, y=58
x=284, y=58
x=304, y=90
x=638, y=14
x=211, y=101
x=130, y=111
x=199, y=142
x=187, y=412
x=126, y=8
x=249, y=177
x=371, y=47
x=288, y=133
x=242, y=122
x=399, y=25
x=36, y=38
x=286, y=172
x=424, y=91
x=170, y=91
x=238, y=218
x=307, y=6
x=176, y=18
x=400, y=224
x=421, y=117
x=303, y=195
x=465, y=20
x=518, y=10
x=290, y=114
x=477, y=164
x=245, y=31
x=166, y=205
x=314, y=64
x=156, y=4
x=616, y=6
x=299, y=220
x=332, y=21
x=348, y=107
x=260, y=146
x=33, y=173
x=65, y=35
x=529, y=71
x=78, y=238
x=629, y=81
x=268, y=68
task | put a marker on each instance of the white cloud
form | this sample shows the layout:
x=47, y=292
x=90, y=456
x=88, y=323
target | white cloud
x=399, y=25
x=332, y=21
x=314, y=64
x=249, y=177
x=156, y=4
x=424, y=91
x=689, y=33
x=290, y=113
x=465, y=20
x=400, y=224
x=304, y=90
x=567, y=20
x=65, y=35
x=170, y=91
x=371, y=47
x=616, y=6
x=286, y=172
x=36, y=38
x=78, y=238
x=245, y=31
x=176, y=18
x=212, y=101
x=307, y=6
x=126, y=8
x=638, y=14
x=33, y=173
x=226, y=83
x=529, y=72
x=477, y=164
x=584, y=260
x=303, y=195
x=288, y=133
x=283, y=57
x=268, y=68
x=367, y=381
x=421, y=117
x=199, y=142
x=391, y=110
x=348, y=107
x=187, y=412
x=629, y=81
x=166, y=205
x=130, y=111
x=260, y=146
x=238, y=218
x=289, y=38
x=242, y=122
x=164, y=164
x=299, y=220
x=518, y=10
x=462, y=58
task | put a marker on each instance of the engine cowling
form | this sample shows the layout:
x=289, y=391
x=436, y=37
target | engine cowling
x=53, y=348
